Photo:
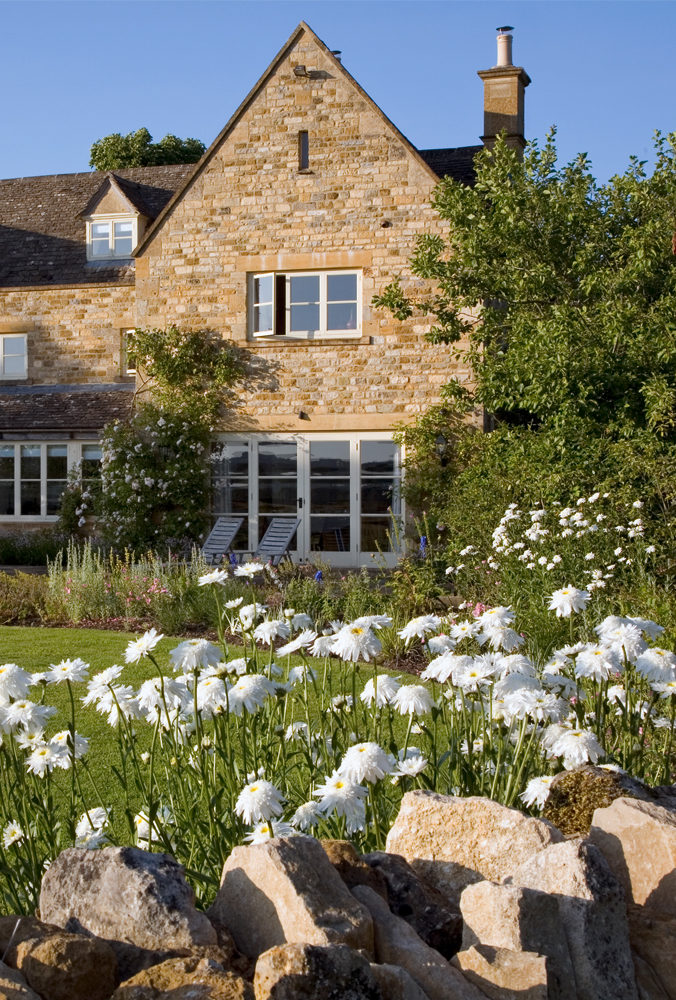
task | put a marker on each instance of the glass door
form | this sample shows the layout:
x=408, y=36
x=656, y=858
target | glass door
x=329, y=517
x=277, y=484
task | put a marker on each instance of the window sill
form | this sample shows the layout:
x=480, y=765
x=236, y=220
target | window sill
x=357, y=338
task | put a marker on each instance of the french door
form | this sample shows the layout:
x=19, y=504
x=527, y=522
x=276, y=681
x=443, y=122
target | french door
x=343, y=488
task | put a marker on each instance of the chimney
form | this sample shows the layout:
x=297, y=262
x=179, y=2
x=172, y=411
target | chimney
x=504, y=87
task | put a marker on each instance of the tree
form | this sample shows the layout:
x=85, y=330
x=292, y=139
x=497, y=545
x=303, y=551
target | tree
x=561, y=294
x=114, y=152
x=572, y=286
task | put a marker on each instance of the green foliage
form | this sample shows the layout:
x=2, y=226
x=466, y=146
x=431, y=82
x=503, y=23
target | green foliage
x=561, y=295
x=116, y=151
x=23, y=598
x=187, y=371
x=155, y=478
x=30, y=548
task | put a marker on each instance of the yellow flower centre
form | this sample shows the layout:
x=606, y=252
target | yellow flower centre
x=340, y=784
x=357, y=631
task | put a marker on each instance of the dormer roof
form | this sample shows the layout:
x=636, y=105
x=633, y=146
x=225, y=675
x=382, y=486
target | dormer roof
x=42, y=229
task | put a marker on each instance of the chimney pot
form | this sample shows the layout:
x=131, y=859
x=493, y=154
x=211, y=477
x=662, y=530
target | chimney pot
x=504, y=48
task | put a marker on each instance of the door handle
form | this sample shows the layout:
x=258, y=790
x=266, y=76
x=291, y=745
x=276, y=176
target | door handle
x=300, y=503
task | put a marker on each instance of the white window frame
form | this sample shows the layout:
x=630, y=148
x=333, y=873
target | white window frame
x=111, y=220
x=73, y=459
x=127, y=369
x=4, y=376
x=322, y=333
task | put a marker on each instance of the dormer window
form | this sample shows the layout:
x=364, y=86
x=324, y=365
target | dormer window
x=111, y=238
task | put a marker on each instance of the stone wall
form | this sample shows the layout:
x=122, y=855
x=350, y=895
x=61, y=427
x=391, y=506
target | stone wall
x=361, y=204
x=74, y=334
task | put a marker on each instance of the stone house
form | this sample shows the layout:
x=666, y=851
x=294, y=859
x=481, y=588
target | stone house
x=306, y=205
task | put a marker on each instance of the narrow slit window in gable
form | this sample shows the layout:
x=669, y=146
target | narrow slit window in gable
x=303, y=151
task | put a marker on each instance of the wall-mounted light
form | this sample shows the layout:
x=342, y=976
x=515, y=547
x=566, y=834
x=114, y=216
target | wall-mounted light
x=441, y=448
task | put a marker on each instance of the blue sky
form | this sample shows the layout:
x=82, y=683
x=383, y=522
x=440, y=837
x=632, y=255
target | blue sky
x=71, y=72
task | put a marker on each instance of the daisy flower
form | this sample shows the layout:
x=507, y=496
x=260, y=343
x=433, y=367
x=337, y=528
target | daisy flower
x=216, y=576
x=260, y=800
x=410, y=765
x=12, y=834
x=249, y=570
x=269, y=630
x=44, y=759
x=68, y=670
x=344, y=797
x=568, y=600
x=536, y=792
x=14, y=682
x=139, y=648
x=302, y=640
x=89, y=830
x=380, y=690
x=249, y=693
x=306, y=816
x=576, y=746
x=266, y=829
x=194, y=654
x=365, y=762
x=355, y=642
x=419, y=627
x=413, y=699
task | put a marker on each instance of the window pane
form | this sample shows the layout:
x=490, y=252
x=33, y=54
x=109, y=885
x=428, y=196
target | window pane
x=304, y=318
x=30, y=498
x=100, y=248
x=376, y=534
x=125, y=229
x=100, y=230
x=341, y=316
x=54, y=491
x=262, y=289
x=123, y=247
x=91, y=461
x=232, y=459
x=330, y=534
x=277, y=458
x=305, y=288
x=327, y=496
x=57, y=461
x=277, y=496
x=330, y=458
x=15, y=365
x=376, y=495
x=30, y=461
x=7, y=462
x=378, y=457
x=230, y=497
x=14, y=345
x=341, y=287
x=263, y=318
x=6, y=498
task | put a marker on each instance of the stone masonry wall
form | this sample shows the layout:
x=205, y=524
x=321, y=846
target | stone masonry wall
x=74, y=334
x=362, y=204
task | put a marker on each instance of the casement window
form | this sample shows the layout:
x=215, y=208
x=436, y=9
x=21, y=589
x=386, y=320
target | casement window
x=344, y=488
x=111, y=238
x=127, y=361
x=308, y=305
x=33, y=475
x=13, y=356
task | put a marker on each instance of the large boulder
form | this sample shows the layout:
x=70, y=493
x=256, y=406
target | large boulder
x=502, y=974
x=351, y=867
x=593, y=916
x=575, y=795
x=62, y=966
x=418, y=903
x=452, y=841
x=396, y=943
x=310, y=972
x=653, y=940
x=511, y=919
x=136, y=901
x=638, y=840
x=396, y=984
x=286, y=891
x=189, y=978
x=13, y=986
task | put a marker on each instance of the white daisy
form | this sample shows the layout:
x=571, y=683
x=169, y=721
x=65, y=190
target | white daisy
x=139, y=648
x=260, y=800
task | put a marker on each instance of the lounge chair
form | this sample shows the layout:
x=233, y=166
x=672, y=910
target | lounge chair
x=220, y=539
x=274, y=545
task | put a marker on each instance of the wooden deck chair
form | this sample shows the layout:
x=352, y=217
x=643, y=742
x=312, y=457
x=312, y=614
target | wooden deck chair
x=274, y=544
x=221, y=538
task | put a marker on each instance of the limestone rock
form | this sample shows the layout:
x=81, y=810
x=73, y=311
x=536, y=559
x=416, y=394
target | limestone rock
x=418, y=903
x=638, y=840
x=309, y=972
x=452, y=841
x=185, y=979
x=286, y=891
x=513, y=919
x=13, y=986
x=62, y=966
x=15, y=929
x=396, y=984
x=352, y=868
x=593, y=916
x=137, y=901
x=653, y=941
x=508, y=975
x=396, y=943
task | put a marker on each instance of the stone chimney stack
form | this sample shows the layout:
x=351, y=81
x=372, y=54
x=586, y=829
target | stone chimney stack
x=504, y=87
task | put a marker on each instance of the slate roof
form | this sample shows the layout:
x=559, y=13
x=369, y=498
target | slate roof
x=42, y=233
x=30, y=409
x=456, y=162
